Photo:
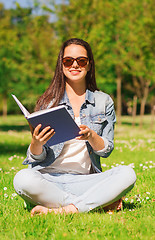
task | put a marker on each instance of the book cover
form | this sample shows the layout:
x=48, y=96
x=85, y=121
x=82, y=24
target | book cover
x=57, y=118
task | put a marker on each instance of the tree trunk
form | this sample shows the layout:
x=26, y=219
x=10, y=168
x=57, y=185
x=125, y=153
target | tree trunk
x=134, y=111
x=143, y=103
x=119, y=97
x=152, y=117
x=4, y=105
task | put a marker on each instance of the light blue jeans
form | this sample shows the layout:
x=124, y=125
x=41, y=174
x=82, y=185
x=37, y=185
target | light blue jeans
x=86, y=192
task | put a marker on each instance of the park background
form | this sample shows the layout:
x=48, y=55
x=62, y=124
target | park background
x=121, y=34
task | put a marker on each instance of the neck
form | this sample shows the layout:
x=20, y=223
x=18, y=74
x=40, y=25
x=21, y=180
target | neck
x=75, y=88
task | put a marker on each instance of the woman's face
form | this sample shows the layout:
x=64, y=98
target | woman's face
x=75, y=72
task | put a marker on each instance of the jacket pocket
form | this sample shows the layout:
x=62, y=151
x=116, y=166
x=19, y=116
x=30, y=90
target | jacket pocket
x=98, y=121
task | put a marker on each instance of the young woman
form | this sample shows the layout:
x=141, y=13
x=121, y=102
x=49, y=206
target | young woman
x=67, y=177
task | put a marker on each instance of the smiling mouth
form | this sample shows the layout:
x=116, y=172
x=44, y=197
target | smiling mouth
x=75, y=71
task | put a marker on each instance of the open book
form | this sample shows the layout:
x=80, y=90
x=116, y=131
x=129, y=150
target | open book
x=57, y=118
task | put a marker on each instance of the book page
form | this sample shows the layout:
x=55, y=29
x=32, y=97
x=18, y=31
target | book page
x=38, y=113
x=23, y=109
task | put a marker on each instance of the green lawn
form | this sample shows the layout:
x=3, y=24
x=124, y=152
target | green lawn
x=133, y=146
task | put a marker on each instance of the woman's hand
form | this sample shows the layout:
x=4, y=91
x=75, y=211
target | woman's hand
x=92, y=137
x=40, y=138
x=85, y=133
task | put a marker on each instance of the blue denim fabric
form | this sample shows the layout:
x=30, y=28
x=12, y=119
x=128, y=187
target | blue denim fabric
x=97, y=112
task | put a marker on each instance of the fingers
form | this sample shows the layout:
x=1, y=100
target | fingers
x=84, y=133
x=44, y=135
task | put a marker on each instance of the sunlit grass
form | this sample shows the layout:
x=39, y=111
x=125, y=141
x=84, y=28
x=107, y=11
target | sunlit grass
x=133, y=146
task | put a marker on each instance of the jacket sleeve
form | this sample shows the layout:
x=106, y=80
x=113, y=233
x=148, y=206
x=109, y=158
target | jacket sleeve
x=108, y=129
x=31, y=158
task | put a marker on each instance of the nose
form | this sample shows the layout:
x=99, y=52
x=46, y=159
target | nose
x=75, y=64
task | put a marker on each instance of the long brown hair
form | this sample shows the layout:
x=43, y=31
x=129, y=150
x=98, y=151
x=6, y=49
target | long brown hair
x=56, y=89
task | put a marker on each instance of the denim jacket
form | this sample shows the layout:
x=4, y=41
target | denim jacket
x=97, y=112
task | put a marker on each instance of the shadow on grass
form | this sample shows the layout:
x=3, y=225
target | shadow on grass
x=129, y=123
x=18, y=128
x=13, y=148
x=126, y=205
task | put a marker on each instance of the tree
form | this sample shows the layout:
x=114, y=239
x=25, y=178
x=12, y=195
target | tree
x=27, y=53
x=8, y=37
x=123, y=38
x=141, y=51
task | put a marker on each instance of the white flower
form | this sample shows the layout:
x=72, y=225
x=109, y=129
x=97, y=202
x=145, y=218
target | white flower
x=131, y=165
x=147, y=198
x=5, y=188
x=126, y=199
x=131, y=201
x=104, y=165
x=145, y=167
x=147, y=192
x=122, y=162
x=5, y=195
x=141, y=165
x=14, y=194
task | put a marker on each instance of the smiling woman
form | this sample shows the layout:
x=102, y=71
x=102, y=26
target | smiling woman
x=67, y=177
x=76, y=64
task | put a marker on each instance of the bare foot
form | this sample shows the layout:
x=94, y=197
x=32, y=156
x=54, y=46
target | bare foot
x=114, y=206
x=39, y=210
x=44, y=210
x=67, y=209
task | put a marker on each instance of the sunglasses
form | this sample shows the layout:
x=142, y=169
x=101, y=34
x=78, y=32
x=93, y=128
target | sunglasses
x=81, y=61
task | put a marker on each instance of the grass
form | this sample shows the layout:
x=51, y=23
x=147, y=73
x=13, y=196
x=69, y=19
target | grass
x=133, y=146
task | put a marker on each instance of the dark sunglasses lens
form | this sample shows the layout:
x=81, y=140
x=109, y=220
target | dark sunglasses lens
x=82, y=62
x=68, y=62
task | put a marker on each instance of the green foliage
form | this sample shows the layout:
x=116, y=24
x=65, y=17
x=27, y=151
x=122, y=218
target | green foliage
x=27, y=53
x=121, y=34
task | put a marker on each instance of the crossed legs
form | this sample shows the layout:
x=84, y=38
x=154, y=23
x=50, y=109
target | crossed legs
x=74, y=193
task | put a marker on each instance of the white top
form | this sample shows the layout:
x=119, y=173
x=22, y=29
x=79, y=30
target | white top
x=74, y=158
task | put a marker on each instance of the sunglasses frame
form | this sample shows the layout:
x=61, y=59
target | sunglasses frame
x=75, y=59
